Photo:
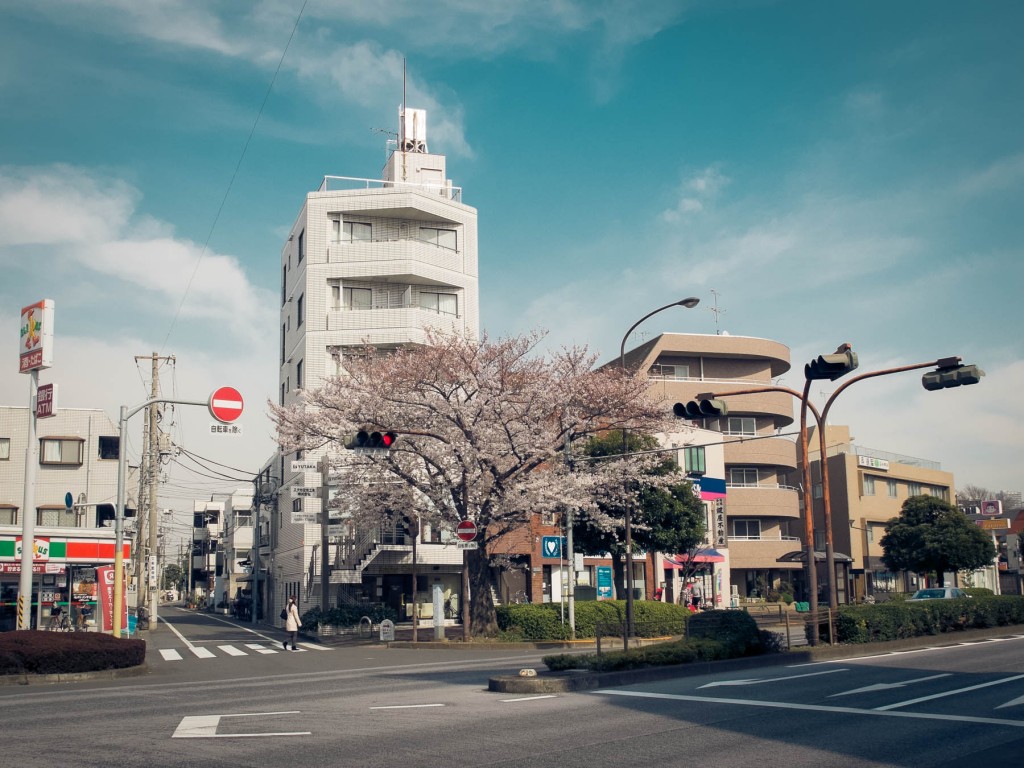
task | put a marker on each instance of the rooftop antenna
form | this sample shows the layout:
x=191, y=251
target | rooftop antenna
x=717, y=312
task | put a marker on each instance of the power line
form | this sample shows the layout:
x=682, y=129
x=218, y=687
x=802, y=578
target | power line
x=231, y=182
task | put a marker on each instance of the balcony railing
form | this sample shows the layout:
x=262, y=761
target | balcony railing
x=777, y=486
x=776, y=537
x=339, y=183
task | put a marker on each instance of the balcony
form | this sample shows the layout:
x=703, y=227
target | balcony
x=767, y=452
x=762, y=501
x=363, y=324
x=342, y=183
x=394, y=258
x=761, y=553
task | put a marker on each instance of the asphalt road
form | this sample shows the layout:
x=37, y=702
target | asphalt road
x=372, y=706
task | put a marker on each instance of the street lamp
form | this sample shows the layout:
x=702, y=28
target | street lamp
x=689, y=302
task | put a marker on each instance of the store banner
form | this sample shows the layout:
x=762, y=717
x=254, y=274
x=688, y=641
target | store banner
x=105, y=593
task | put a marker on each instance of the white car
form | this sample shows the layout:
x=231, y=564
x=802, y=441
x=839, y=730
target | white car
x=938, y=593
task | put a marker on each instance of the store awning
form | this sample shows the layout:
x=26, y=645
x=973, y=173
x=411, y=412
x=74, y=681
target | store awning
x=799, y=556
x=702, y=556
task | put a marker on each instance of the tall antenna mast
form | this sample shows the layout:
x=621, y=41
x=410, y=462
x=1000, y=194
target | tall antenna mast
x=717, y=312
x=401, y=129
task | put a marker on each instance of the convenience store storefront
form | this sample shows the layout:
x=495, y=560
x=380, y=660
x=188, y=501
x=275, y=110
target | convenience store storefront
x=59, y=559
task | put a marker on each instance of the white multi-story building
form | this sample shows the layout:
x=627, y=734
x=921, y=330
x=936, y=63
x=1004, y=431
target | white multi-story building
x=78, y=452
x=376, y=262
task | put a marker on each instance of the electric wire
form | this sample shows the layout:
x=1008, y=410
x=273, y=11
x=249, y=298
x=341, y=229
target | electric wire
x=231, y=182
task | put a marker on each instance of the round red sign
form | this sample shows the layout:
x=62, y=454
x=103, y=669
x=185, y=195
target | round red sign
x=466, y=530
x=226, y=404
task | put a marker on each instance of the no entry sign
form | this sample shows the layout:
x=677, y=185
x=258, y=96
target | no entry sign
x=466, y=530
x=226, y=404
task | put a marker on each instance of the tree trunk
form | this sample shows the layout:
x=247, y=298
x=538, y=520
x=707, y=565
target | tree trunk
x=483, y=617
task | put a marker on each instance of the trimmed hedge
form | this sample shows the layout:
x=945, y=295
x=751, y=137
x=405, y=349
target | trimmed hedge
x=39, y=652
x=735, y=630
x=899, y=620
x=663, y=654
x=543, y=621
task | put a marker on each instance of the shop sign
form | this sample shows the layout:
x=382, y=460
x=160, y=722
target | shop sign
x=40, y=548
x=36, y=568
x=872, y=463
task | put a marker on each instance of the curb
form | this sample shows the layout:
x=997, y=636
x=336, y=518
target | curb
x=582, y=680
x=74, y=677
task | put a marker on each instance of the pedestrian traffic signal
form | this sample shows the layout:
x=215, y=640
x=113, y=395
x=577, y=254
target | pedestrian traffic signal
x=831, y=367
x=948, y=376
x=364, y=439
x=700, y=409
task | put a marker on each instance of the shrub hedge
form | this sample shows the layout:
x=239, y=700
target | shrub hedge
x=735, y=630
x=46, y=653
x=662, y=654
x=898, y=620
x=543, y=621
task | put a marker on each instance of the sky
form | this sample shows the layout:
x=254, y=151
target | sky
x=818, y=173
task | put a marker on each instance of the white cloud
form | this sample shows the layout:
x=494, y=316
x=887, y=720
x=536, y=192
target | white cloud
x=695, y=192
x=117, y=298
x=1000, y=175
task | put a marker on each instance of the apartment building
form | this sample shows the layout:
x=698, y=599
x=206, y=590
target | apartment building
x=206, y=580
x=867, y=488
x=368, y=262
x=762, y=509
x=78, y=456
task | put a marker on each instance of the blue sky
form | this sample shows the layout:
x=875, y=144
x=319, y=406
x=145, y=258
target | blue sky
x=834, y=172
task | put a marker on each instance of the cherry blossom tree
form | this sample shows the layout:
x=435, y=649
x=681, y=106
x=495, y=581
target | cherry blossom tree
x=481, y=428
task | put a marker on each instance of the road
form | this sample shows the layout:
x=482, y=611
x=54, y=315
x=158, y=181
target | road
x=373, y=706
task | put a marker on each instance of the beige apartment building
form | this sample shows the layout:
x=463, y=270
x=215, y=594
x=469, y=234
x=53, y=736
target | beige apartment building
x=868, y=487
x=762, y=509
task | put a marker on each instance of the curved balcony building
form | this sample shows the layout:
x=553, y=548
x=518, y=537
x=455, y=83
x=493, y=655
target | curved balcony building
x=762, y=511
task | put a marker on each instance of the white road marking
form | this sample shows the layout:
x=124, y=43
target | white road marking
x=1012, y=703
x=170, y=654
x=260, y=649
x=230, y=650
x=409, y=706
x=816, y=708
x=527, y=698
x=950, y=693
x=202, y=653
x=313, y=647
x=755, y=680
x=205, y=727
x=887, y=686
x=889, y=654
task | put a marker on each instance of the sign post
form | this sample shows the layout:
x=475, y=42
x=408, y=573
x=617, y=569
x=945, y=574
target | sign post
x=466, y=531
x=35, y=349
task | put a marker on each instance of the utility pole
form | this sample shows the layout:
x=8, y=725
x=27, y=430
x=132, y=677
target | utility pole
x=325, y=522
x=150, y=566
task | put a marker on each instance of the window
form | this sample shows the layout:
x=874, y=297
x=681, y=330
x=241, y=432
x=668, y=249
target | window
x=283, y=332
x=296, y=505
x=357, y=298
x=913, y=489
x=300, y=310
x=670, y=372
x=5, y=449
x=746, y=529
x=817, y=490
x=741, y=425
x=8, y=515
x=743, y=476
x=60, y=450
x=445, y=238
x=110, y=447
x=335, y=296
x=444, y=303
x=869, y=485
x=335, y=230
x=284, y=285
x=283, y=390
x=302, y=245
x=892, y=488
x=55, y=518
x=694, y=461
x=298, y=375
x=353, y=231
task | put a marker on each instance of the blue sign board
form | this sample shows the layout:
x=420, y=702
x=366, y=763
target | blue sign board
x=604, y=582
x=551, y=547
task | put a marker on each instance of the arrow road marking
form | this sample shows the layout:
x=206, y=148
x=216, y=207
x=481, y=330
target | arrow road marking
x=1015, y=702
x=205, y=727
x=755, y=681
x=950, y=693
x=887, y=686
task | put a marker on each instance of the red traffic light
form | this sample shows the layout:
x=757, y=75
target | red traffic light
x=387, y=439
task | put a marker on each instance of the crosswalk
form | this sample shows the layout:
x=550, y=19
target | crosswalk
x=242, y=649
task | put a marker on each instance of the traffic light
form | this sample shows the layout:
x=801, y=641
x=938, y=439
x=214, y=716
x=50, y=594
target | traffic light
x=707, y=408
x=953, y=375
x=366, y=440
x=833, y=366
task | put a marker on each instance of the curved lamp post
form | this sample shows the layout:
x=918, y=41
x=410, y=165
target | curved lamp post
x=689, y=302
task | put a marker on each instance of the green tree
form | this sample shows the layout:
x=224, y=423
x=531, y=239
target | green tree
x=666, y=516
x=931, y=536
x=173, y=576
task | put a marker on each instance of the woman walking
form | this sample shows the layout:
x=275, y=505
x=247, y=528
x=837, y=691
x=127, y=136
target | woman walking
x=291, y=623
